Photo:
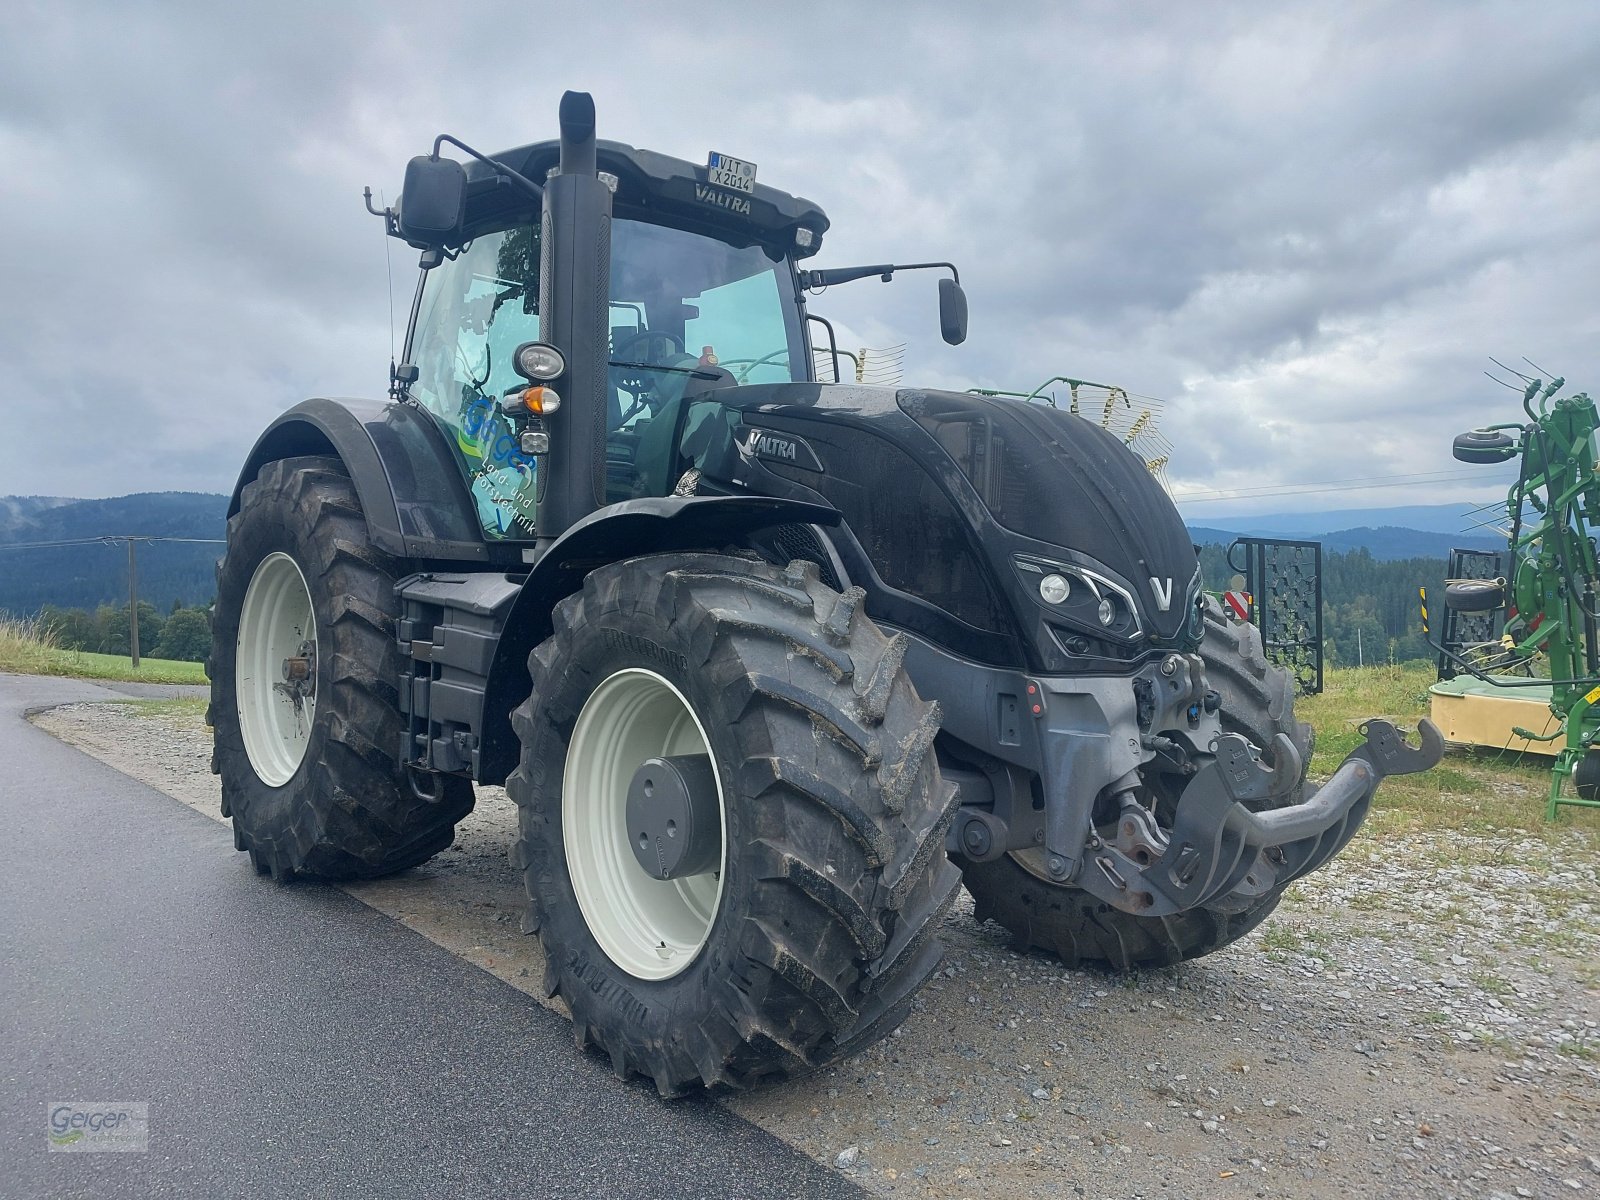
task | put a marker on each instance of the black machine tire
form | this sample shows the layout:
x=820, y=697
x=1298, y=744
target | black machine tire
x=1475, y=595
x=1258, y=702
x=1586, y=776
x=1483, y=446
x=835, y=879
x=347, y=811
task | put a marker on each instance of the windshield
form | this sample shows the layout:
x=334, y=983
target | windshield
x=688, y=314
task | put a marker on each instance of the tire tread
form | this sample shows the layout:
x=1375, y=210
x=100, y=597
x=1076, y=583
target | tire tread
x=353, y=814
x=847, y=883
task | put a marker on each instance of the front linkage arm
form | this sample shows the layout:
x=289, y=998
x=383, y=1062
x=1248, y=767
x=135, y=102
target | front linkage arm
x=1228, y=846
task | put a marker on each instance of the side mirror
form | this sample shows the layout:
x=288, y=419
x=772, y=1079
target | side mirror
x=433, y=201
x=952, y=312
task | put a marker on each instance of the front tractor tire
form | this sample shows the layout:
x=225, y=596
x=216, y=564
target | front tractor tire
x=304, y=688
x=799, y=876
x=1016, y=892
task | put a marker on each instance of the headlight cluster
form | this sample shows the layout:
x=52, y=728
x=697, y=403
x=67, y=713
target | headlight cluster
x=1086, y=595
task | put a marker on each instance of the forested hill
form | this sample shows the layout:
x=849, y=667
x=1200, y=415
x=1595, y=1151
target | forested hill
x=1361, y=592
x=1370, y=574
x=1385, y=542
x=84, y=576
x=1372, y=587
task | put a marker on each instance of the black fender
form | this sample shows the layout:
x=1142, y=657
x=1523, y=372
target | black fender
x=625, y=530
x=405, y=473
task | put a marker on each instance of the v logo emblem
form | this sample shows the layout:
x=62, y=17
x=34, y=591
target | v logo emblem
x=1162, y=594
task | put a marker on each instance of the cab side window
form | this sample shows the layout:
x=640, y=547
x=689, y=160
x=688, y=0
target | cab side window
x=476, y=310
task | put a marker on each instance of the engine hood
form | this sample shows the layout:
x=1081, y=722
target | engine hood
x=1057, y=478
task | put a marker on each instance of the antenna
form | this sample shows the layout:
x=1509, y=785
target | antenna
x=391, y=228
x=388, y=262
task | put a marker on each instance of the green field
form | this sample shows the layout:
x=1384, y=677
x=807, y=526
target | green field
x=27, y=650
x=1475, y=792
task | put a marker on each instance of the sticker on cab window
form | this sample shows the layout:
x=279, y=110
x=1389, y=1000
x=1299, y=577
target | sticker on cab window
x=732, y=173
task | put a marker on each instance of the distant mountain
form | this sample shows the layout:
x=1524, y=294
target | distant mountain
x=84, y=576
x=1385, y=543
x=1388, y=542
x=1458, y=519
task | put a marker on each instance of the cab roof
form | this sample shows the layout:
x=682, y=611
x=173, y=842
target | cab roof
x=657, y=188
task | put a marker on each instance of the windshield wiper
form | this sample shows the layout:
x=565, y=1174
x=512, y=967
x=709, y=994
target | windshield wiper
x=697, y=372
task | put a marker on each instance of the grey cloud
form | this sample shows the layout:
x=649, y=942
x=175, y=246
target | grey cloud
x=1304, y=227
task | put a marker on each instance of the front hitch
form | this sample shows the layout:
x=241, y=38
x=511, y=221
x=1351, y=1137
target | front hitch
x=1226, y=855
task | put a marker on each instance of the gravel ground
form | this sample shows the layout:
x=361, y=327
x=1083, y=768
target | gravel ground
x=1421, y=1022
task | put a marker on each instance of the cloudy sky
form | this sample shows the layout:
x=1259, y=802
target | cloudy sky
x=1305, y=228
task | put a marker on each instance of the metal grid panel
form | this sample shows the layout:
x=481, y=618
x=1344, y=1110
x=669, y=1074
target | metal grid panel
x=1284, y=579
x=1468, y=634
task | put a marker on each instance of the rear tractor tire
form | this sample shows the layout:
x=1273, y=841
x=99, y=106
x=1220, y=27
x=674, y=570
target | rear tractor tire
x=304, y=676
x=1016, y=892
x=797, y=874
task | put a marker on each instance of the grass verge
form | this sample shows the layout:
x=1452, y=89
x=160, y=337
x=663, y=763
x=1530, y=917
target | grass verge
x=1469, y=792
x=27, y=649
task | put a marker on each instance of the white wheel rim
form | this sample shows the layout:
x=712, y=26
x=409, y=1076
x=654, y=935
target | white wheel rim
x=275, y=622
x=651, y=928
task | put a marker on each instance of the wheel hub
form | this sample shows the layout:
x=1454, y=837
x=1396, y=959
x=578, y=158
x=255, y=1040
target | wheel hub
x=299, y=676
x=674, y=826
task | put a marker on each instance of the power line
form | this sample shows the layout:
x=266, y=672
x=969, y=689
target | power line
x=131, y=540
x=1376, y=482
x=1451, y=471
x=110, y=539
x=1446, y=474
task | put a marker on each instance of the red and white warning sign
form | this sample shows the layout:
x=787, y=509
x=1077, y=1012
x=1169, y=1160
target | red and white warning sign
x=1237, y=604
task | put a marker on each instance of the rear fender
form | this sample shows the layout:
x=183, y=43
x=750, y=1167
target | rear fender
x=411, y=490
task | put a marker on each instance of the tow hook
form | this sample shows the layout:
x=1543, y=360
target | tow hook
x=1228, y=845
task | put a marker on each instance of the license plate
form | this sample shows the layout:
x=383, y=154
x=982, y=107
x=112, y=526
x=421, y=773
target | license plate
x=732, y=173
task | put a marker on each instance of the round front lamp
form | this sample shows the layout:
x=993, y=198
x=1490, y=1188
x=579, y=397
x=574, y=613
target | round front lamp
x=1053, y=589
x=537, y=361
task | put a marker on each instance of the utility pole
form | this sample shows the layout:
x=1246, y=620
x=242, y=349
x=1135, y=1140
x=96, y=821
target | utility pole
x=133, y=605
x=1360, y=661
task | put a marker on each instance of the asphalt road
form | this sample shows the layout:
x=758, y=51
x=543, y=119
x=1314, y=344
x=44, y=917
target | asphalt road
x=289, y=1040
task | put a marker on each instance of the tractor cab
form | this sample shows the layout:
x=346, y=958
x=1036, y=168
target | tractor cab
x=702, y=294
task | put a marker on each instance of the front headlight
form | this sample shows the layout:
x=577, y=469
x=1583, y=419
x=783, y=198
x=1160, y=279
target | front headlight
x=1087, y=597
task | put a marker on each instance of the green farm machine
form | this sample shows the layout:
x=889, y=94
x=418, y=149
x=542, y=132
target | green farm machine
x=1549, y=595
x=771, y=667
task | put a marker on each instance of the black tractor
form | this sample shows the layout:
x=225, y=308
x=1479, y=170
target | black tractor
x=771, y=666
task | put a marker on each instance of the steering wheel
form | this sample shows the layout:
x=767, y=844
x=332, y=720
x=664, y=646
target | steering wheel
x=750, y=364
x=647, y=336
